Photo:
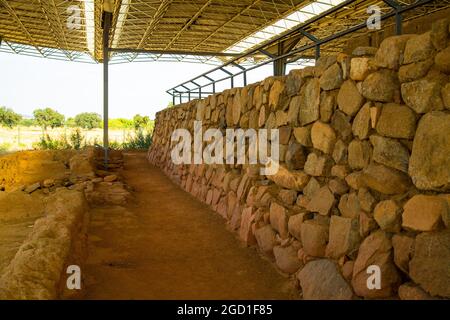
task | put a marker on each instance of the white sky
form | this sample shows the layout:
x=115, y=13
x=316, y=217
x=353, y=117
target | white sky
x=28, y=83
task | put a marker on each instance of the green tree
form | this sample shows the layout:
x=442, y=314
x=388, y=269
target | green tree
x=27, y=122
x=9, y=118
x=120, y=123
x=140, y=122
x=48, y=118
x=88, y=120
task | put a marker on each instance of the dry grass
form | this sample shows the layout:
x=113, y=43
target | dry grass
x=25, y=138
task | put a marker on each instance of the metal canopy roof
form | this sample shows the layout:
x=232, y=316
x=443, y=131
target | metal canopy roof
x=174, y=30
x=40, y=27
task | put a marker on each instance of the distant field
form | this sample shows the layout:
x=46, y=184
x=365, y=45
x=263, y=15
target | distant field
x=23, y=138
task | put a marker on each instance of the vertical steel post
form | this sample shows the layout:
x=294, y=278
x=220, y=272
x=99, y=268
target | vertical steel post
x=245, y=78
x=398, y=23
x=107, y=17
x=317, y=52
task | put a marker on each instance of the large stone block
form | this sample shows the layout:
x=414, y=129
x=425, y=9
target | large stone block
x=396, y=121
x=349, y=98
x=430, y=266
x=424, y=213
x=376, y=250
x=344, y=237
x=323, y=137
x=385, y=180
x=390, y=152
x=321, y=280
x=314, y=238
x=279, y=219
x=429, y=165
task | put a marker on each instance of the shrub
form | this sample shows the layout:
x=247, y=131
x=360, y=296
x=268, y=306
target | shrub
x=9, y=118
x=48, y=118
x=88, y=120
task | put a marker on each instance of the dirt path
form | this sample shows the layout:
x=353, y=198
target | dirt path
x=168, y=245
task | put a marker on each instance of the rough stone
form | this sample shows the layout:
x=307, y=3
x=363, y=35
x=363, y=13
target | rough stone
x=294, y=180
x=430, y=266
x=295, y=223
x=385, y=180
x=418, y=48
x=415, y=71
x=442, y=60
x=323, y=137
x=349, y=206
x=295, y=157
x=332, y=78
x=314, y=238
x=396, y=121
x=381, y=86
x=277, y=97
x=321, y=280
x=310, y=102
x=342, y=126
x=328, y=104
x=366, y=200
x=403, y=251
x=288, y=197
x=317, y=166
x=367, y=224
x=376, y=249
x=359, y=154
x=439, y=33
x=349, y=99
x=322, y=201
x=279, y=219
x=32, y=188
x=246, y=230
x=410, y=292
x=422, y=95
x=340, y=152
x=344, y=237
x=446, y=95
x=429, y=165
x=266, y=239
x=361, y=123
x=360, y=68
x=311, y=188
x=338, y=186
x=424, y=213
x=390, y=152
x=286, y=259
x=390, y=53
x=303, y=136
x=388, y=216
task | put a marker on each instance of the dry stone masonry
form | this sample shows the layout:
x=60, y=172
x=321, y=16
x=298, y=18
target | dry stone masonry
x=365, y=169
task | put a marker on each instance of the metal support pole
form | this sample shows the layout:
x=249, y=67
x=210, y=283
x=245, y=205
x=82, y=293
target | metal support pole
x=107, y=18
x=245, y=78
x=317, y=52
x=398, y=23
x=398, y=16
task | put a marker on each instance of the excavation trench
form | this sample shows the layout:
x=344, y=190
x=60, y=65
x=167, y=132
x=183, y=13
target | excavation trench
x=165, y=244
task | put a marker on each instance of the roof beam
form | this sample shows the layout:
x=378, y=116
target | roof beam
x=188, y=24
x=11, y=11
x=176, y=52
x=58, y=30
x=159, y=14
x=254, y=2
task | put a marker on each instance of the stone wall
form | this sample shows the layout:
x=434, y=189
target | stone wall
x=365, y=171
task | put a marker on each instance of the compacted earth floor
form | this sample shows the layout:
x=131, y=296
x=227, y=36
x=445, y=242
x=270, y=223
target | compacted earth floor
x=165, y=244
